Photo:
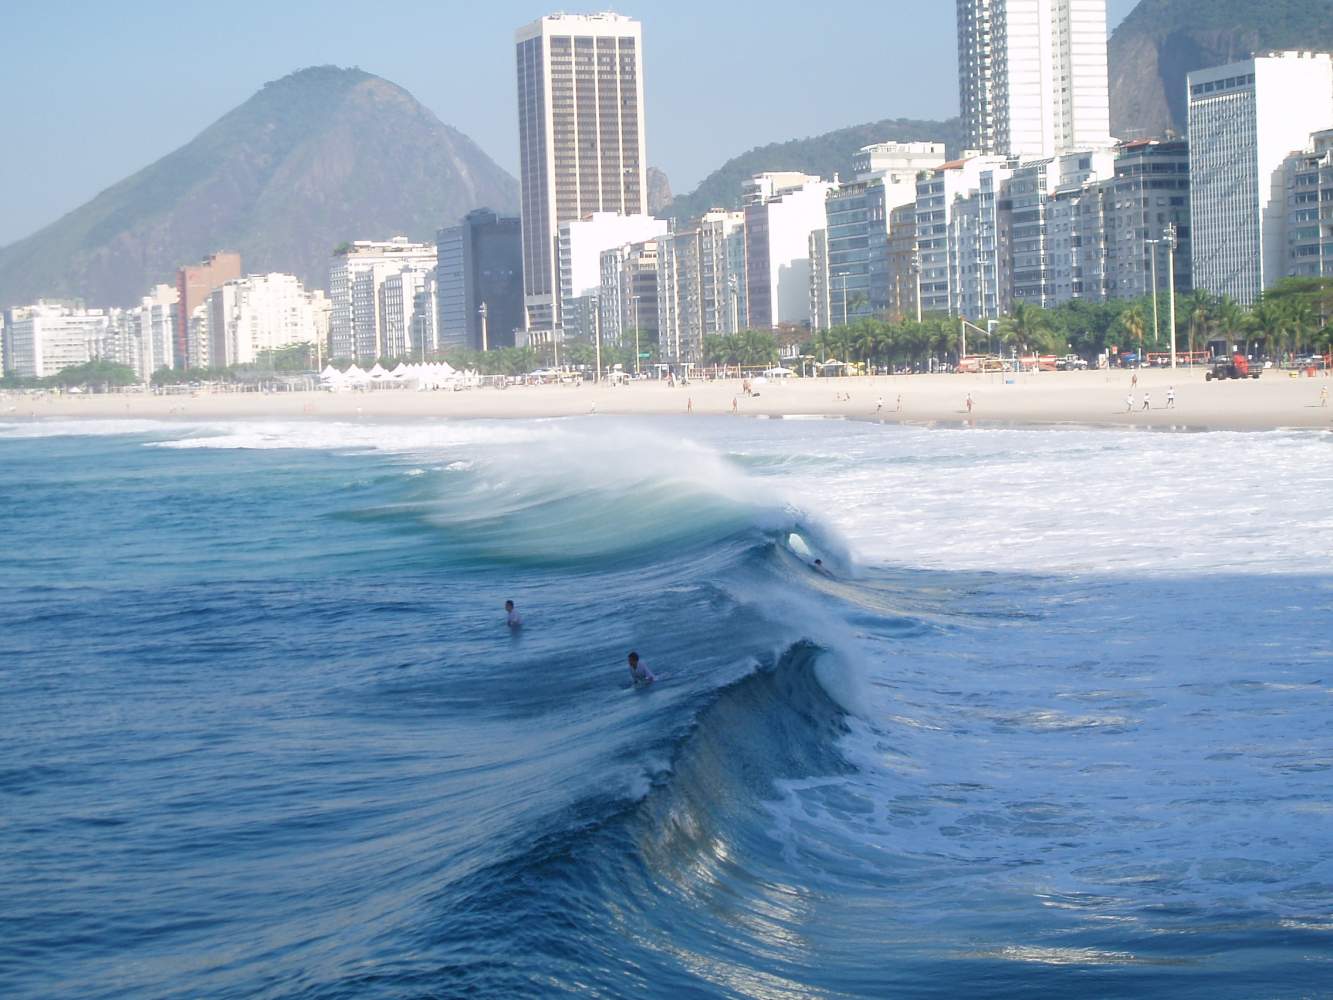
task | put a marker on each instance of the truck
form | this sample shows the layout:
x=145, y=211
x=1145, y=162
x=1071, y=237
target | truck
x=1236, y=366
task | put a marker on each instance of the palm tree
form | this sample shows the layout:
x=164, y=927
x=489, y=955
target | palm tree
x=1198, y=312
x=1132, y=321
x=1228, y=317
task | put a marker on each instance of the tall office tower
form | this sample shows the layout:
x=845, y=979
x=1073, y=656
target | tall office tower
x=480, y=264
x=1245, y=118
x=580, y=132
x=194, y=284
x=1032, y=76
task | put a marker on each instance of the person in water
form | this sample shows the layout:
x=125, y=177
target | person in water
x=512, y=618
x=821, y=568
x=639, y=671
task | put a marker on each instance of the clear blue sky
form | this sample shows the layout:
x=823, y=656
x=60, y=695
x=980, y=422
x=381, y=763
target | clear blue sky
x=92, y=90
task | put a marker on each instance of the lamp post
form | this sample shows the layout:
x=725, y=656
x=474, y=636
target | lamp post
x=1169, y=238
x=481, y=311
x=635, y=300
x=1152, y=267
x=916, y=273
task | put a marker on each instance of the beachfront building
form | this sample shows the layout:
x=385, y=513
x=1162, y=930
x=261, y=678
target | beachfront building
x=1308, y=187
x=1047, y=198
x=480, y=263
x=579, y=252
x=628, y=296
x=49, y=336
x=781, y=211
x=581, y=140
x=1032, y=76
x=356, y=281
x=259, y=314
x=1149, y=195
x=194, y=284
x=701, y=283
x=943, y=264
x=144, y=337
x=893, y=272
x=1245, y=119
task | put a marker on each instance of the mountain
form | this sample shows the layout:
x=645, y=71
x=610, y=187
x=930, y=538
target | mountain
x=1161, y=41
x=659, y=191
x=826, y=155
x=319, y=157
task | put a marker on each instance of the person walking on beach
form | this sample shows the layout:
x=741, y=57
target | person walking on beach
x=733, y=406
x=879, y=406
x=1147, y=404
x=1134, y=381
x=1171, y=397
x=1323, y=395
x=689, y=405
x=639, y=673
x=1129, y=403
x=968, y=402
x=900, y=402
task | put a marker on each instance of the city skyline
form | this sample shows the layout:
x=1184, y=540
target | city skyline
x=102, y=118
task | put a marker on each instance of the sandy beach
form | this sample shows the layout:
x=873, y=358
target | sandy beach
x=1088, y=398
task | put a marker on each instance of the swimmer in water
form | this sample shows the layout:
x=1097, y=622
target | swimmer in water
x=512, y=618
x=639, y=671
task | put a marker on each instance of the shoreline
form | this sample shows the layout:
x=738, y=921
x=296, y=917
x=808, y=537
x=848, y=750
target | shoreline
x=1049, y=399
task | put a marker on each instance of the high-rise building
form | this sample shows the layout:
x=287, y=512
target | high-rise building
x=261, y=313
x=1245, y=118
x=356, y=281
x=194, y=284
x=781, y=211
x=1032, y=76
x=628, y=297
x=1308, y=183
x=46, y=337
x=480, y=262
x=1150, y=192
x=581, y=138
x=144, y=337
x=581, y=243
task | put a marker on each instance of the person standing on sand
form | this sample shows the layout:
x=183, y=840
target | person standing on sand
x=879, y=406
x=1323, y=395
x=900, y=402
x=733, y=406
x=1134, y=381
x=689, y=404
x=1129, y=403
x=1171, y=397
x=1147, y=405
x=968, y=402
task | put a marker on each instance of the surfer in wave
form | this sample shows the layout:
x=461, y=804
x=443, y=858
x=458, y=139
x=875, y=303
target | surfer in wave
x=639, y=671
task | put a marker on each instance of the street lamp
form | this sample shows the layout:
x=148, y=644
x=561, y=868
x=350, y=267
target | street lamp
x=635, y=300
x=481, y=311
x=1153, y=267
x=1169, y=238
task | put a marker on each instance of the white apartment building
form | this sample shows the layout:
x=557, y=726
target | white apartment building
x=628, y=298
x=941, y=256
x=581, y=138
x=249, y=317
x=781, y=211
x=355, y=282
x=1245, y=119
x=47, y=337
x=896, y=165
x=1032, y=76
x=405, y=329
x=144, y=337
x=701, y=283
x=579, y=252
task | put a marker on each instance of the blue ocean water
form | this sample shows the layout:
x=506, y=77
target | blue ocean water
x=1057, y=722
